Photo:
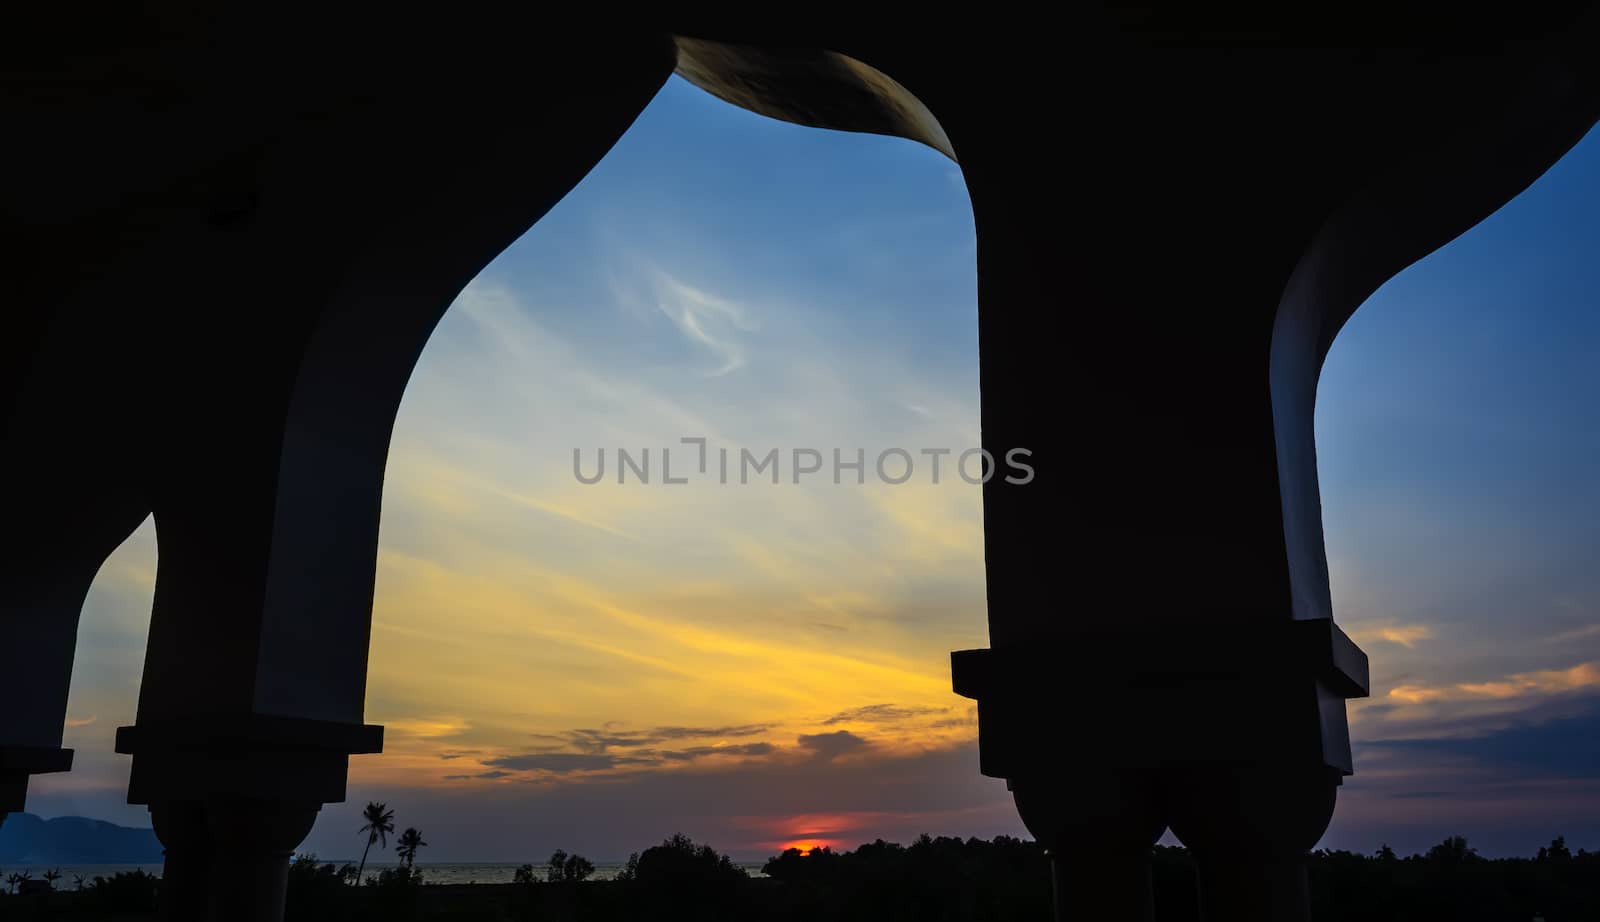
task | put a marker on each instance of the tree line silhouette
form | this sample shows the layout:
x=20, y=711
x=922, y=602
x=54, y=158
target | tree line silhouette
x=934, y=879
x=946, y=879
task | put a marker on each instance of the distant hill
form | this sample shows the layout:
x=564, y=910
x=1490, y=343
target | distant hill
x=27, y=839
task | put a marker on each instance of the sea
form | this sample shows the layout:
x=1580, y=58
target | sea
x=432, y=873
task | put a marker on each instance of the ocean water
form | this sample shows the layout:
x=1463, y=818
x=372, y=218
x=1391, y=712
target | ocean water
x=432, y=873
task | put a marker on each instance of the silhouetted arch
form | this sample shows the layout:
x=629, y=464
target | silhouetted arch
x=55, y=545
x=360, y=355
x=1414, y=208
x=375, y=324
x=1157, y=296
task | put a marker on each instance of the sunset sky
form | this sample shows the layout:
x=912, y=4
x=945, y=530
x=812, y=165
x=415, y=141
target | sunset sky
x=595, y=667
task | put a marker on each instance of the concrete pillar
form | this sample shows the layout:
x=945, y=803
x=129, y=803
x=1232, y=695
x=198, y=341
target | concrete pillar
x=35, y=674
x=237, y=795
x=186, y=865
x=1109, y=741
x=355, y=233
x=55, y=543
x=1167, y=246
x=1140, y=604
x=251, y=839
x=1098, y=827
x=1153, y=319
x=1250, y=827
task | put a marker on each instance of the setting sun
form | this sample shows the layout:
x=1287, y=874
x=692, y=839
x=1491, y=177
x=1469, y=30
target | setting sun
x=807, y=846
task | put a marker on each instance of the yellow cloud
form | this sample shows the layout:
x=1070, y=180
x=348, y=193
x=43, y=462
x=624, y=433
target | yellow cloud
x=1405, y=635
x=1548, y=681
x=424, y=727
x=1417, y=694
x=1542, y=682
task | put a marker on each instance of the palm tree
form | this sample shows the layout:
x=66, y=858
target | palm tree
x=77, y=881
x=51, y=876
x=406, y=846
x=380, y=822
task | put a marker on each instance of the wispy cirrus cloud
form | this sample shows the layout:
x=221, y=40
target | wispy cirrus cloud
x=556, y=762
x=426, y=727
x=602, y=740
x=881, y=714
x=1520, y=685
x=561, y=763
x=1404, y=635
x=711, y=322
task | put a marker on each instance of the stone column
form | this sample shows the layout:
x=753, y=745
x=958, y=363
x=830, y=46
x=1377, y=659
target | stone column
x=186, y=865
x=1250, y=827
x=259, y=849
x=1232, y=733
x=236, y=796
x=51, y=560
x=1097, y=827
x=252, y=838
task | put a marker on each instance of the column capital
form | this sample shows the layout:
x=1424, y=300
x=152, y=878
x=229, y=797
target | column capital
x=249, y=731
x=19, y=763
x=256, y=756
x=1171, y=693
x=1144, y=653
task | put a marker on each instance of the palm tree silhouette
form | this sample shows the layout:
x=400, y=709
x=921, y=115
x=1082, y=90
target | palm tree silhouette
x=406, y=846
x=380, y=822
x=51, y=876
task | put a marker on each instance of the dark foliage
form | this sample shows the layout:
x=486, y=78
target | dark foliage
x=129, y=894
x=935, y=879
x=932, y=879
x=1452, y=883
x=319, y=893
x=679, y=861
x=128, y=891
x=565, y=868
x=679, y=879
x=315, y=890
x=972, y=880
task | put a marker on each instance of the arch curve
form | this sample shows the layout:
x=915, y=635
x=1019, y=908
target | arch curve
x=812, y=87
x=1406, y=213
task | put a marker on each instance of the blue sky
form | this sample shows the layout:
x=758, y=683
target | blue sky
x=1458, y=448
x=596, y=667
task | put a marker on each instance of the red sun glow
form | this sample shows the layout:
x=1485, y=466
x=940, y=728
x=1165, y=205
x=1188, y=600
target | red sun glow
x=806, y=845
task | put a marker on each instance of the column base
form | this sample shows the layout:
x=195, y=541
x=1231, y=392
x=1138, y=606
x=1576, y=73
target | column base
x=1253, y=889
x=1250, y=828
x=231, y=798
x=251, y=839
x=1097, y=828
x=1101, y=883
